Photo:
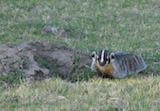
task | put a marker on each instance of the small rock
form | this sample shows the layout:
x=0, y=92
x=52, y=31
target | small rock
x=50, y=29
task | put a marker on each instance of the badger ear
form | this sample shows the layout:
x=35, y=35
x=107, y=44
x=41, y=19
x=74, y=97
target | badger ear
x=93, y=55
x=112, y=56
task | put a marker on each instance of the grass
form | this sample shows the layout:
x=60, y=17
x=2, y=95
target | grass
x=128, y=25
x=95, y=94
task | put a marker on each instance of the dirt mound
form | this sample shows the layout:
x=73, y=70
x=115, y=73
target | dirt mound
x=42, y=60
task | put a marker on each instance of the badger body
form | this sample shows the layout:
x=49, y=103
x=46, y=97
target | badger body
x=117, y=65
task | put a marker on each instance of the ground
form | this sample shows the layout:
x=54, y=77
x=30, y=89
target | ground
x=86, y=25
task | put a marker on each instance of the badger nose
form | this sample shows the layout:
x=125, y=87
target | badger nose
x=102, y=63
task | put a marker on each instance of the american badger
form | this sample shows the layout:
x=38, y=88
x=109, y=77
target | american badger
x=117, y=65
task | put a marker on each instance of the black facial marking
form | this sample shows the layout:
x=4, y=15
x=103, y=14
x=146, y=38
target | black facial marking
x=107, y=56
x=99, y=55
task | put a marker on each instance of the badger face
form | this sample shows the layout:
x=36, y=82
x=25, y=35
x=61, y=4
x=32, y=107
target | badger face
x=103, y=57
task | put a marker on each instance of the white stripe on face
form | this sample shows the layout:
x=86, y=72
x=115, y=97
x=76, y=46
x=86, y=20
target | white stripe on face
x=102, y=56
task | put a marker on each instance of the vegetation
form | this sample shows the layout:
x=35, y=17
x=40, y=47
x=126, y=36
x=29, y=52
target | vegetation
x=128, y=25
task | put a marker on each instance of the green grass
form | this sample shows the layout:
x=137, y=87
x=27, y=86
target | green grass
x=96, y=94
x=128, y=25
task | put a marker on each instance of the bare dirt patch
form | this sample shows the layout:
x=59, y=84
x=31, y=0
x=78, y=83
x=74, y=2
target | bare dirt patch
x=38, y=61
